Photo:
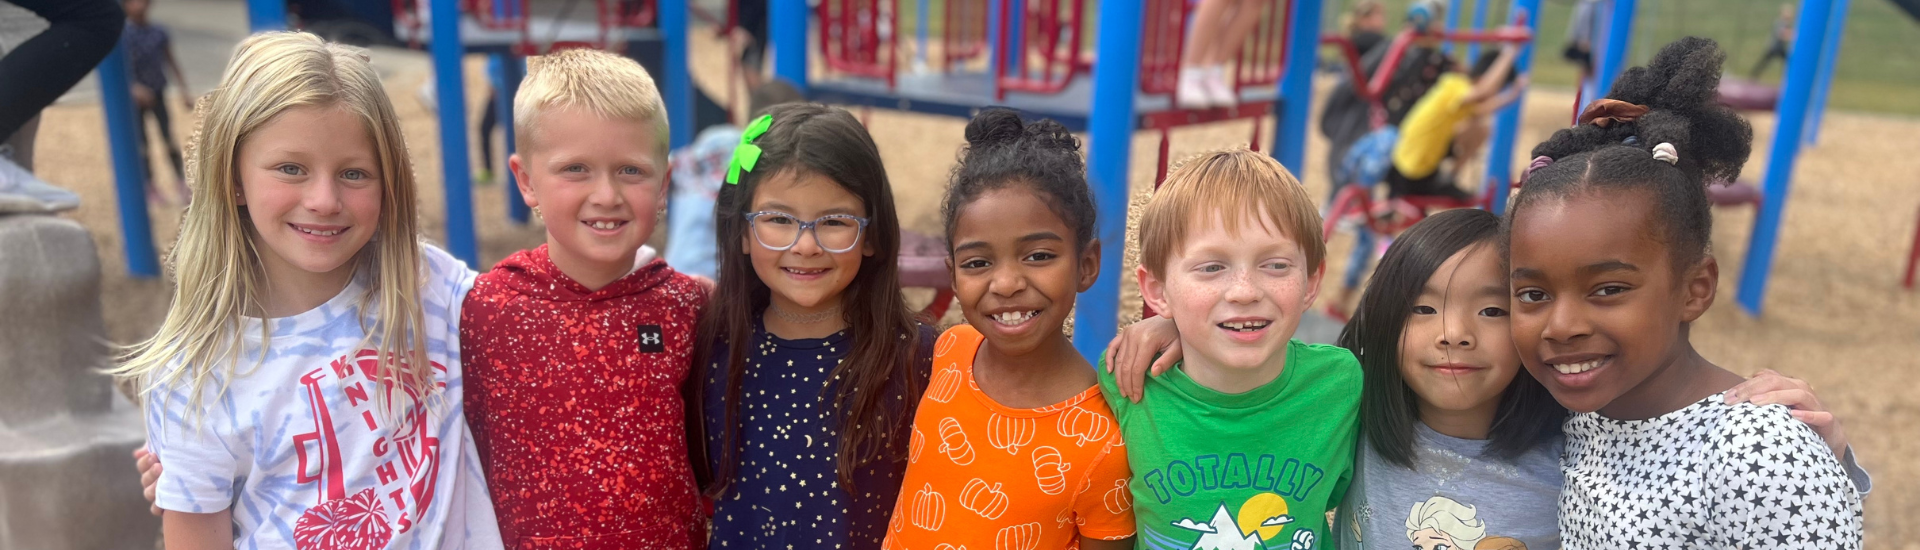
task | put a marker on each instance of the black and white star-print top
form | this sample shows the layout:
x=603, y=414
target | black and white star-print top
x=786, y=492
x=1709, y=475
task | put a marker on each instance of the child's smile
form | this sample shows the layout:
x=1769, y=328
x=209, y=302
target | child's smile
x=1247, y=289
x=1016, y=269
x=1456, y=352
x=1599, y=311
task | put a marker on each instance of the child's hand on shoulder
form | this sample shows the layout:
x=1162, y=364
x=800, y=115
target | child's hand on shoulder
x=1129, y=354
x=1768, y=388
x=149, y=467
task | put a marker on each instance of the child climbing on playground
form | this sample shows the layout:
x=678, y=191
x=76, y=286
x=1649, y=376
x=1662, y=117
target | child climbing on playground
x=310, y=321
x=1451, y=121
x=1249, y=440
x=808, y=361
x=699, y=170
x=1610, y=264
x=575, y=352
x=1012, y=445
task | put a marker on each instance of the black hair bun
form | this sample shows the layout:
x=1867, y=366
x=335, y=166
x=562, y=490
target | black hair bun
x=1680, y=85
x=995, y=126
x=999, y=126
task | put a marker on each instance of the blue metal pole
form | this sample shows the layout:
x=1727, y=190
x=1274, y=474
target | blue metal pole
x=1795, y=94
x=787, y=31
x=993, y=40
x=450, y=90
x=513, y=69
x=1453, y=24
x=129, y=175
x=1479, y=24
x=1296, y=87
x=920, y=53
x=266, y=15
x=679, y=81
x=1829, y=60
x=1613, y=51
x=1017, y=42
x=1109, y=148
x=1506, y=125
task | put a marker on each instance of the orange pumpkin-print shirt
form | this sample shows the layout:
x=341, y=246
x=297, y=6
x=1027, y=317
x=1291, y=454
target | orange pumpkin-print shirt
x=984, y=476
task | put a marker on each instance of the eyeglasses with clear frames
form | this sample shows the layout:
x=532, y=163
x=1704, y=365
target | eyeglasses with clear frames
x=835, y=233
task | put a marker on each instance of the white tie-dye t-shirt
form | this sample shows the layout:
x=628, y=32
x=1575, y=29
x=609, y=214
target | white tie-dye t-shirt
x=300, y=450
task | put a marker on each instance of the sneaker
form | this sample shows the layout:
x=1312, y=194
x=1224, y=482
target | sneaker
x=1192, y=93
x=1219, y=92
x=21, y=192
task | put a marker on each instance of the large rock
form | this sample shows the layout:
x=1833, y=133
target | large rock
x=66, y=475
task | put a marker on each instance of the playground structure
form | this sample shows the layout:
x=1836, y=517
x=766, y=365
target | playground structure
x=1036, y=61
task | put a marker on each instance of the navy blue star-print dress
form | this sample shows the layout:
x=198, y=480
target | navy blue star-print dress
x=785, y=490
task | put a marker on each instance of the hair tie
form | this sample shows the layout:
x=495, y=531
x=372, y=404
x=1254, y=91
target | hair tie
x=746, y=154
x=1606, y=112
x=1631, y=140
x=1664, y=152
x=1538, y=162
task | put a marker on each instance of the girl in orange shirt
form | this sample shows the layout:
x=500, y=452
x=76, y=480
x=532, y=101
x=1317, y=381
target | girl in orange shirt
x=1013, y=446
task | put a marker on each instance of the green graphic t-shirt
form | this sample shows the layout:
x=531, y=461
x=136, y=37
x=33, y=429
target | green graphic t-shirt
x=1254, y=470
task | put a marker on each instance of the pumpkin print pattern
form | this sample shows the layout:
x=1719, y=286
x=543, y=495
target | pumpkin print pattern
x=996, y=477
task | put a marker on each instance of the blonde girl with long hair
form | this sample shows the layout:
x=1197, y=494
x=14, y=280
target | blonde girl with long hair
x=304, y=389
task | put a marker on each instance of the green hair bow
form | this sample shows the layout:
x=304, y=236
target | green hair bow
x=746, y=155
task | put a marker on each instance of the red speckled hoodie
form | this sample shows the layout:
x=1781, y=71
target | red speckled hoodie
x=574, y=401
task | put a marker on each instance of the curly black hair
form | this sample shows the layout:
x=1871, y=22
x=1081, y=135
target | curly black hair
x=1712, y=139
x=1004, y=150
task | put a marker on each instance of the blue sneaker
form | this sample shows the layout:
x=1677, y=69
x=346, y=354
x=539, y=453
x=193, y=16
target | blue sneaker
x=21, y=192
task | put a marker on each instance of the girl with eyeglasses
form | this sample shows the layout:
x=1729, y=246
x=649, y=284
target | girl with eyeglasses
x=809, y=362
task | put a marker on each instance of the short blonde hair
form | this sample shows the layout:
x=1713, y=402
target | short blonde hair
x=611, y=86
x=1227, y=185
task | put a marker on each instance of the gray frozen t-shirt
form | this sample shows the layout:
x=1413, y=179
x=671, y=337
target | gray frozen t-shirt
x=1455, y=499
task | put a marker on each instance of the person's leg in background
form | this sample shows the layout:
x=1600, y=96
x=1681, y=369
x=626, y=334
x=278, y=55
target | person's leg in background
x=79, y=34
x=489, y=119
x=164, y=120
x=144, y=102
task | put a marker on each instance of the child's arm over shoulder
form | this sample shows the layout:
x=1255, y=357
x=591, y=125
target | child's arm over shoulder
x=1772, y=476
x=1111, y=392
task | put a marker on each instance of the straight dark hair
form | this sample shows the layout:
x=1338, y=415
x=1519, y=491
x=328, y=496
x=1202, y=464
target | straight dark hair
x=828, y=142
x=1527, y=414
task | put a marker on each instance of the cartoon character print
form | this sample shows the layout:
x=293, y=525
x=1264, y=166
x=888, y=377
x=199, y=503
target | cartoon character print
x=1442, y=523
x=409, y=455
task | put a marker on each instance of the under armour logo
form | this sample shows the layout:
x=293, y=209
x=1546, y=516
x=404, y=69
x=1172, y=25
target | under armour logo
x=651, y=340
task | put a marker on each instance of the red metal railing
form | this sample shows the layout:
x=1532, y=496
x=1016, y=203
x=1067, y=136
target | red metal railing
x=1264, y=57
x=857, y=37
x=1050, y=38
x=1162, y=35
x=964, y=33
x=511, y=15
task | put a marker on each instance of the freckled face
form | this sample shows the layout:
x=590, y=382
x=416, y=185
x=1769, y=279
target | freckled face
x=1236, y=300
